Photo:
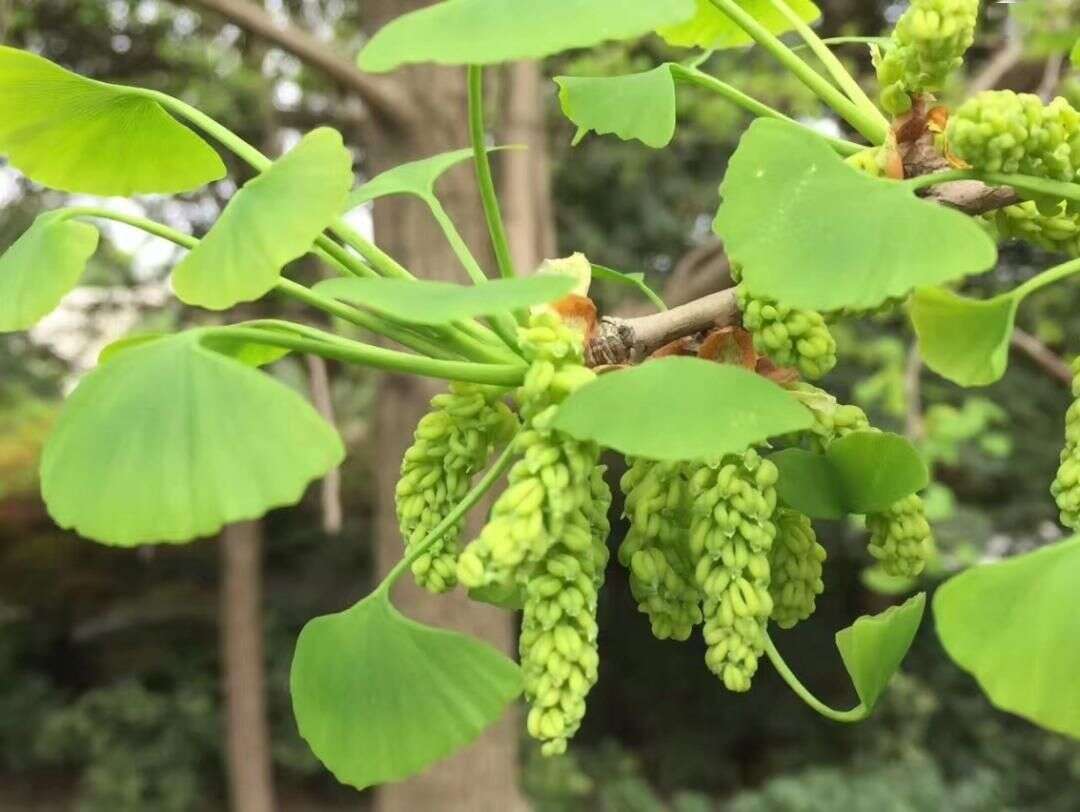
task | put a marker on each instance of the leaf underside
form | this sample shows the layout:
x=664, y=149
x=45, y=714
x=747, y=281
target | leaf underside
x=964, y=340
x=873, y=647
x=637, y=106
x=712, y=29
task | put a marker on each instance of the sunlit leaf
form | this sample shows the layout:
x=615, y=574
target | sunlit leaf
x=637, y=106
x=861, y=473
x=79, y=135
x=271, y=221
x=427, y=302
x=40, y=267
x=680, y=409
x=811, y=231
x=480, y=32
x=964, y=340
x=379, y=697
x=874, y=646
x=713, y=29
x=1014, y=626
x=169, y=441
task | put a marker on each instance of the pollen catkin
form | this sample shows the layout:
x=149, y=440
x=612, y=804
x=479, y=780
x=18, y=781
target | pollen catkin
x=547, y=536
x=928, y=43
x=1066, y=487
x=731, y=534
x=789, y=336
x=900, y=537
x=656, y=550
x=796, y=562
x=1004, y=131
x=1058, y=231
x=451, y=443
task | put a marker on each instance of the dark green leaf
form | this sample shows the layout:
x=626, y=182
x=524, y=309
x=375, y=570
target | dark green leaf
x=874, y=646
x=75, y=134
x=680, y=409
x=426, y=302
x=813, y=232
x=169, y=441
x=379, y=697
x=480, y=32
x=636, y=106
x=271, y=221
x=964, y=340
x=711, y=28
x=1014, y=625
x=40, y=267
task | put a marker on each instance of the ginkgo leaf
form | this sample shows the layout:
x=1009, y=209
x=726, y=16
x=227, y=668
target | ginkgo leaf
x=379, y=697
x=680, y=409
x=1014, y=626
x=79, y=135
x=637, y=106
x=873, y=647
x=964, y=340
x=634, y=280
x=413, y=178
x=711, y=28
x=271, y=221
x=481, y=32
x=169, y=441
x=40, y=267
x=423, y=301
x=811, y=231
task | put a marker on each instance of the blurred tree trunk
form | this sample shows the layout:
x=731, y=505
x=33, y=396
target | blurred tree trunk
x=483, y=777
x=247, y=734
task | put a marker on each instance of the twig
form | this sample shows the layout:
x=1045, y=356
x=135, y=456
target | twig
x=916, y=426
x=1051, y=363
x=1051, y=76
x=1004, y=61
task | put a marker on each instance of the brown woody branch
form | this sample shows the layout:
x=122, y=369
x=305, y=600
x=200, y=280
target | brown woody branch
x=382, y=95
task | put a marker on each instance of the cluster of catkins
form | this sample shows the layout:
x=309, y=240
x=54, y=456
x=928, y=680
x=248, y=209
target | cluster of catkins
x=546, y=538
x=1066, y=487
x=928, y=43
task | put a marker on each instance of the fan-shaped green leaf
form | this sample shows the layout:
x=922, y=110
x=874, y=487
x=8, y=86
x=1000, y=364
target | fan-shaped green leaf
x=865, y=471
x=636, y=106
x=634, y=280
x=271, y=221
x=813, y=232
x=379, y=697
x=79, y=135
x=40, y=267
x=426, y=302
x=680, y=409
x=413, y=178
x=874, y=646
x=712, y=29
x=964, y=340
x=1014, y=626
x=480, y=32
x=169, y=441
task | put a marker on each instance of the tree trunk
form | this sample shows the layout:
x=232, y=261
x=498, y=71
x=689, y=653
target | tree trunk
x=247, y=734
x=483, y=777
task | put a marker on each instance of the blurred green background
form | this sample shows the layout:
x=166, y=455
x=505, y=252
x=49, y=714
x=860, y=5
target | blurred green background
x=110, y=660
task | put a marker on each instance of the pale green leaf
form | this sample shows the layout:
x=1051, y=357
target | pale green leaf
x=413, y=178
x=861, y=473
x=427, y=302
x=40, y=267
x=1074, y=55
x=634, y=280
x=481, y=32
x=964, y=340
x=271, y=221
x=873, y=647
x=79, y=135
x=811, y=231
x=713, y=29
x=1015, y=627
x=680, y=409
x=169, y=441
x=379, y=697
x=637, y=106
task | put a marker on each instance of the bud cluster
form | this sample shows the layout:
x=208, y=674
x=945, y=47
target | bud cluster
x=731, y=534
x=789, y=336
x=547, y=538
x=928, y=43
x=1066, y=487
x=796, y=562
x=451, y=443
x=656, y=550
x=1058, y=231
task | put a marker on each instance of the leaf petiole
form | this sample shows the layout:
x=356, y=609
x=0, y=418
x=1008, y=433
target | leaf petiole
x=856, y=714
